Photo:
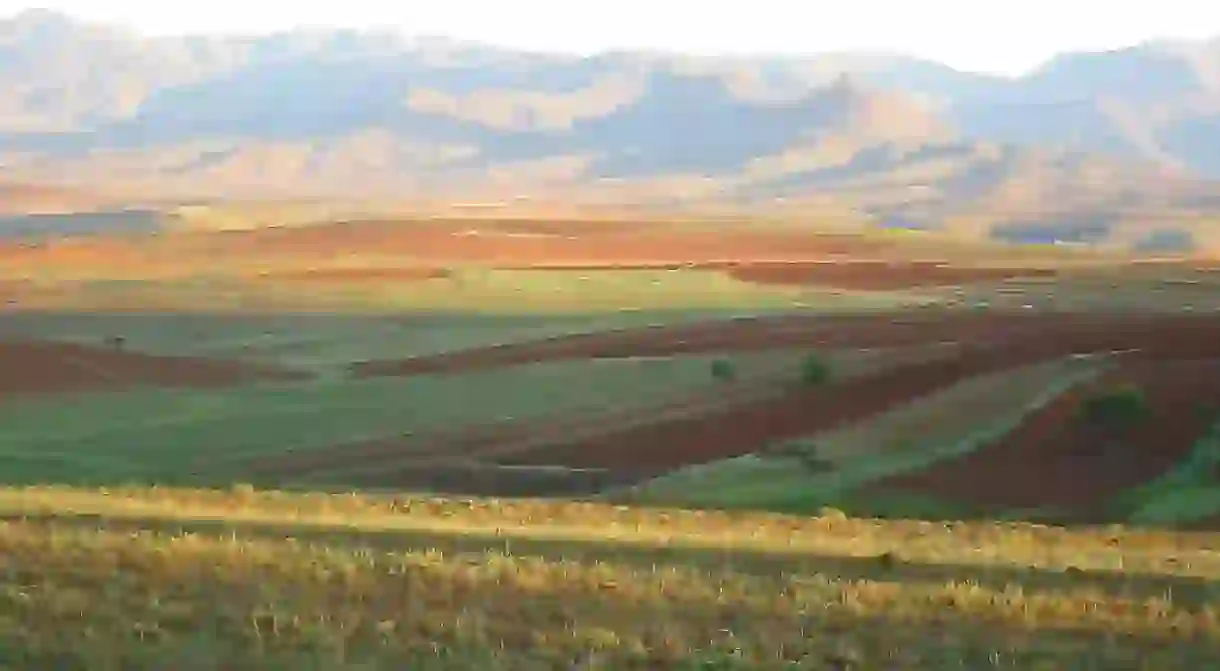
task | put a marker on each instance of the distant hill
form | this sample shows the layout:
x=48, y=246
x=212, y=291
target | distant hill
x=1092, y=147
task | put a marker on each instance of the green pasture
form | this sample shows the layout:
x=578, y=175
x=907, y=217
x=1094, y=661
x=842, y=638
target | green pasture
x=190, y=436
x=320, y=341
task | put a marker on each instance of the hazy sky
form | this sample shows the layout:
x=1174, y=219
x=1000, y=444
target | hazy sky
x=977, y=35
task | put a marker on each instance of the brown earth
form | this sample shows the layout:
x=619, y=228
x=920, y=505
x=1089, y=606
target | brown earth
x=669, y=444
x=855, y=276
x=875, y=275
x=993, y=343
x=1058, y=459
x=411, y=249
x=746, y=428
x=481, y=441
x=503, y=438
x=44, y=368
x=401, y=274
x=436, y=244
x=474, y=242
x=1058, y=333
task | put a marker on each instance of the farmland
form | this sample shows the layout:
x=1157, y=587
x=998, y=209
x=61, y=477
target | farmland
x=545, y=444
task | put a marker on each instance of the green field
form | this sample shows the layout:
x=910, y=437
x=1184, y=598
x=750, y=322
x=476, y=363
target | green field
x=148, y=436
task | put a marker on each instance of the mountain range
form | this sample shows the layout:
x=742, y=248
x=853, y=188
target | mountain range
x=1119, y=147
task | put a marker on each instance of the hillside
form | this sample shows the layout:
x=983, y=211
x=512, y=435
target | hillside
x=1101, y=147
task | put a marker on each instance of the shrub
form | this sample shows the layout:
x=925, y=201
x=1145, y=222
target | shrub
x=814, y=370
x=1118, y=406
x=829, y=513
x=724, y=370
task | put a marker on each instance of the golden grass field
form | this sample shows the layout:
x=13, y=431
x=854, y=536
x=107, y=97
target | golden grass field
x=197, y=579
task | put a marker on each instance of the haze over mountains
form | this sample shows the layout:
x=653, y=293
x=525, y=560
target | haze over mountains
x=1119, y=146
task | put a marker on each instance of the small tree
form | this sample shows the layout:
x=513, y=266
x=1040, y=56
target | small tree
x=814, y=370
x=723, y=370
x=1119, y=406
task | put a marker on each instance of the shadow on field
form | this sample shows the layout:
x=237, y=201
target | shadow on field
x=1187, y=591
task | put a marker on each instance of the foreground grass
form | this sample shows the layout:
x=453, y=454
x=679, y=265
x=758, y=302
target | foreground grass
x=302, y=581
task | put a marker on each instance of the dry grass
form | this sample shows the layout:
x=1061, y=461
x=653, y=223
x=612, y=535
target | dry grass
x=286, y=580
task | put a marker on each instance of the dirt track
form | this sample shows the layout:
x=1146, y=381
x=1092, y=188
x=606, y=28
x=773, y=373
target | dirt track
x=1057, y=459
x=42, y=368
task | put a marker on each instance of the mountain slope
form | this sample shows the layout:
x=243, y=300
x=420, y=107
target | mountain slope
x=1115, y=137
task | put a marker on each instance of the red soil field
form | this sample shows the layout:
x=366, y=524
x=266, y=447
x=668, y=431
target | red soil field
x=361, y=274
x=1000, y=343
x=874, y=275
x=479, y=441
x=477, y=242
x=746, y=428
x=1055, y=335
x=718, y=336
x=43, y=368
x=1057, y=459
x=442, y=243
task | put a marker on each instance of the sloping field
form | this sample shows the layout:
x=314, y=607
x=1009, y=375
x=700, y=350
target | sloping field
x=471, y=290
x=738, y=335
x=360, y=274
x=318, y=340
x=211, y=436
x=925, y=428
x=1037, y=335
x=846, y=274
x=876, y=275
x=410, y=461
x=677, y=442
x=450, y=242
x=41, y=368
x=438, y=243
x=947, y=416
x=918, y=433
x=742, y=429
x=1058, y=459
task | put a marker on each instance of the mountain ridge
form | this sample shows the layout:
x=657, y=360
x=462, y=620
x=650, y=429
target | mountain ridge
x=1130, y=137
